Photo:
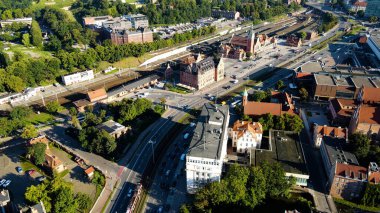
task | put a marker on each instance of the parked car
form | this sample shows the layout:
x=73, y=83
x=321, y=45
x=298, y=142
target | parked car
x=19, y=169
x=31, y=172
x=192, y=124
x=7, y=183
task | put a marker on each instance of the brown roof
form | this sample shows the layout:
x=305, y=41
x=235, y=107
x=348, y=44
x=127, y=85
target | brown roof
x=369, y=114
x=343, y=107
x=303, y=74
x=374, y=177
x=97, y=94
x=242, y=126
x=335, y=132
x=89, y=170
x=371, y=94
x=262, y=108
x=293, y=40
x=351, y=171
x=39, y=139
x=188, y=60
x=239, y=41
x=81, y=103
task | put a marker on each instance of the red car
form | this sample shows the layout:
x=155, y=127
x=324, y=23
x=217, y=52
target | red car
x=31, y=172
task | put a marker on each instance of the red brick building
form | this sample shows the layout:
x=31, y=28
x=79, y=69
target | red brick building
x=124, y=36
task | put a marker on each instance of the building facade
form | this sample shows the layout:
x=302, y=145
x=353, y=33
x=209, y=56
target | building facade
x=201, y=73
x=246, y=135
x=113, y=128
x=123, y=36
x=328, y=131
x=208, y=147
x=78, y=77
x=373, y=40
x=138, y=21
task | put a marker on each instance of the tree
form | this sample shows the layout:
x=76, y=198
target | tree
x=246, y=118
x=65, y=201
x=53, y=107
x=371, y=195
x=36, y=34
x=84, y=201
x=277, y=184
x=7, y=14
x=373, y=19
x=20, y=112
x=36, y=193
x=26, y=39
x=303, y=35
x=29, y=132
x=303, y=93
x=259, y=96
x=73, y=111
x=360, y=144
x=360, y=13
x=184, y=209
x=37, y=152
x=280, y=84
x=162, y=101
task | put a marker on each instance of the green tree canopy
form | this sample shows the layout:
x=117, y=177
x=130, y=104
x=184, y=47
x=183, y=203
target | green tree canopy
x=29, y=131
x=37, y=152
x=26, y=39
x=36, y=34
x=360, y=144
x=53, y=107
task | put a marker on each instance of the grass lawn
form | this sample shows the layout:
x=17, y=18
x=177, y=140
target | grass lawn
x=39, y=118
x=130, y=1
x=130, y=62
x=356, y=29
x=32, y=52
x=53, y=3
x=179, y=90
x=27, y=165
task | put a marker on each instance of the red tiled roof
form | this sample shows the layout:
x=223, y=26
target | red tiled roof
x=369, y=114
x=360, y=4
x=374, y=177
x=343, y=107
x=89, y=170
x=303, y=74
x=371, y=94
x=97, y=94
x=332, y=131
x=262, y=108
x=242, y=126
x=351, y=171
x=239, y=41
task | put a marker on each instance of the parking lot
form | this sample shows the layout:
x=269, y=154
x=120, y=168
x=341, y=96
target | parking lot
x=11, y=158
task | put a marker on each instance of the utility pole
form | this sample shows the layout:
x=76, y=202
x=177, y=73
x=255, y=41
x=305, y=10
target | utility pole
x=43, y=100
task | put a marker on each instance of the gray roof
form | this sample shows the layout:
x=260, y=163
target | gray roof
x=39, y=207
x=207, y=140
x=288, y=152
x=333, y=80
x=337, y=150
x=111, y=126
x=362, y=81
x=311, y=67
x=133, y=85
x=202, y=66
x=324, y=80
x=375, y=37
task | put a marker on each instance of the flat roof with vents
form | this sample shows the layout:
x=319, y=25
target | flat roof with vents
x=207, y=140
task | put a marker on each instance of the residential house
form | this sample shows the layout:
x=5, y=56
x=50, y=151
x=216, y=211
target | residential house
x=321, y=132
x=113, y=128
x=208, y=147
x=53, y=162
x=201, y=73
x=38, y=208
x=334, y=150
x=89, y=172
x=341, y=111
x=348, y=181
x=358, y=5
x=97, y=95
x=246, y=135
x=284, y=148
x=4, y=198
x=293, y=41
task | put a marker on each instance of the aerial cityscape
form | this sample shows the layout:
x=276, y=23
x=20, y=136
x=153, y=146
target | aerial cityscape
x=131, y=106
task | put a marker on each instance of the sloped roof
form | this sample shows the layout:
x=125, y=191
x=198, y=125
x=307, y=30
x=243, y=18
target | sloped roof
x=97, y=94
x=262, y=108
x=89, y=170
x=369, y=114
x=371, y=94
x=52, y=160
x=243, y=126
x=351, y=171
x=374, y=177
x=336, y=132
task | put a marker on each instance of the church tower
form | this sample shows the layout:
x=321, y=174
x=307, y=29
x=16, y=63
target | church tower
x=245, y=97
x=250, y=41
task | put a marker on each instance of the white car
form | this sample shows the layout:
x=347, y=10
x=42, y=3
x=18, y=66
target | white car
x=192, y=124
x=7, y=183
x=2, y=182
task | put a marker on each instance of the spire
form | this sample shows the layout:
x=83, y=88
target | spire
x=245, y=93
x=199, y=57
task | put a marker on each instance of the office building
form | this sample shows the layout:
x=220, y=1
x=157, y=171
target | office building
x=208, y=147
x=78, y=77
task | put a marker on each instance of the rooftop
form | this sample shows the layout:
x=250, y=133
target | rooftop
x=336, y=150
x=375, y=37
x=369, y=114
x=4, y=196
x=89, y=170
x=97, y=94
x=38, y=208
x=284, y=148
x=111, y=126
x=362, y=81
x=261, y=108
x=333, y=80
x=351, y=171
x=371, y=94
x=207, y=140
x=135, y=84
x=243, y=126
x=335, y=132
x=311, y=67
